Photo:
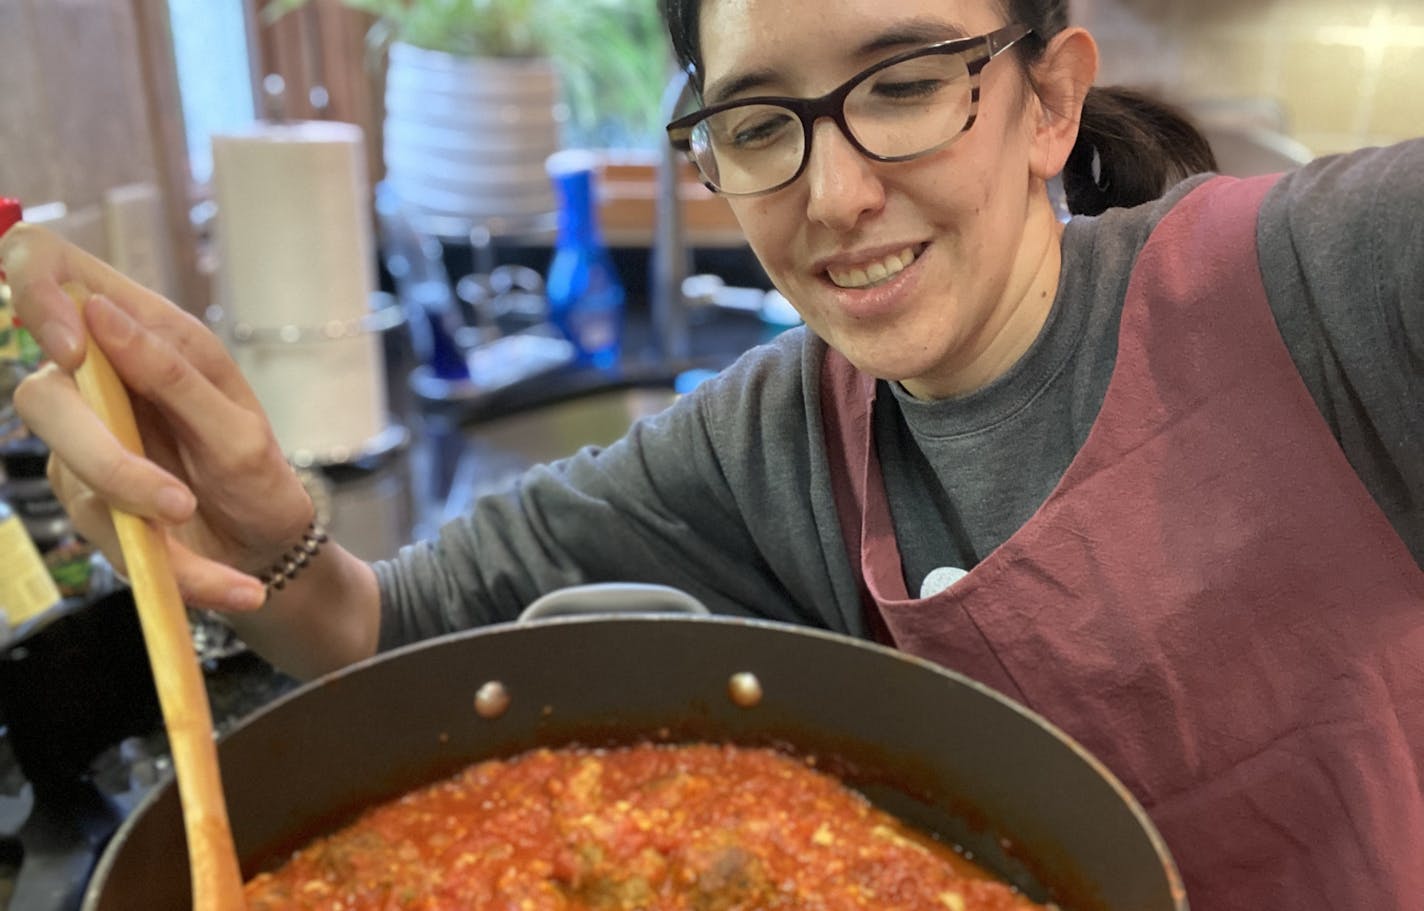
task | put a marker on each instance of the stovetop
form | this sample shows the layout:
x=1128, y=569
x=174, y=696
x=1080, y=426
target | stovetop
x=83, y=741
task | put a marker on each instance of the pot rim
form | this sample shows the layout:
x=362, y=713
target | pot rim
x=1157, y=843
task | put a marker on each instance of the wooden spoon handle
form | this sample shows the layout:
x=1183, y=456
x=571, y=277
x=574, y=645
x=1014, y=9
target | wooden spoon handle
x=216, y=877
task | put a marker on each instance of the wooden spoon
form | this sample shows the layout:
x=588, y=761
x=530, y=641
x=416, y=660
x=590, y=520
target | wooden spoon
x=216, y=877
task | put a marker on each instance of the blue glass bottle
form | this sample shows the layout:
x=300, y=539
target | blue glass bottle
x=585, y=293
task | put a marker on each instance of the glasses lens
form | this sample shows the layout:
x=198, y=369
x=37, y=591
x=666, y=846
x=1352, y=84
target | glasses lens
x=749, y=148
x=911, y=107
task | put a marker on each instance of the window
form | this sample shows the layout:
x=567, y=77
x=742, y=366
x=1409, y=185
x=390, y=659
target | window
x=214, y=74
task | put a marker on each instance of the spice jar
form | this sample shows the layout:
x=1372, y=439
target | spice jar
x=67, y=556
x=26, y=587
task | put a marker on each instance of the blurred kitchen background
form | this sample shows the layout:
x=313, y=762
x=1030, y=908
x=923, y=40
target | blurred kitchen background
x=107, y=104
x=1341, y=74
x=369, y=224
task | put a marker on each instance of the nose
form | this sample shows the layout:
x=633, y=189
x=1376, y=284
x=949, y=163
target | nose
x=843, y=184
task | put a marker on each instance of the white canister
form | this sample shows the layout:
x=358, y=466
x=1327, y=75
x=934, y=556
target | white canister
x=296, y=256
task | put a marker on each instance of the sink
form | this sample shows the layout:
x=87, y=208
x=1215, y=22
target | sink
x=490, y=454
x=476, y=443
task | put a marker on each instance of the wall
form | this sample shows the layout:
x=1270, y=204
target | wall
x=77, y=129
x=1346, y=73
x=72, y=118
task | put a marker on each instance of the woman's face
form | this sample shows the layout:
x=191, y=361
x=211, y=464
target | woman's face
x=972, y=220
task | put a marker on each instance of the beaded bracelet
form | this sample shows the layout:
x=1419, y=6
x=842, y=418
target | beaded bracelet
x=295, y=560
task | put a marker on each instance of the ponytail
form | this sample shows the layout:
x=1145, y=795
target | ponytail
x=1131, y=148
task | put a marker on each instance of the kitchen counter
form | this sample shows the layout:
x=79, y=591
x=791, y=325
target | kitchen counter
x=83, y=741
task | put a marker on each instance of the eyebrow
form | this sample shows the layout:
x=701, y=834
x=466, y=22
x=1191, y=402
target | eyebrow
x=902, y=34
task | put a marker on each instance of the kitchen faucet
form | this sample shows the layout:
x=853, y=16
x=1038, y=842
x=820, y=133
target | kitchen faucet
x=670, y=256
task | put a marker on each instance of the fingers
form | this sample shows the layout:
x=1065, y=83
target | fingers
x=90, y=515
x=36, y=263
x=202, y=583
x=51, y=317
x=154, y=369
x=191, y=339
x=50, y=405
x=210, y=585
x=33, y=261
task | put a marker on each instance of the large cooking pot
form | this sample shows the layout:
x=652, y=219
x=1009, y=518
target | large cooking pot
x=933, y=747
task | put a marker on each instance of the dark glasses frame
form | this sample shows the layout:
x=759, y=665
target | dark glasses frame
x=832, y=104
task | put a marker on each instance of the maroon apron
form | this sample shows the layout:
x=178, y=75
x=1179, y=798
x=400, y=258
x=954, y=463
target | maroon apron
x=1209, y=601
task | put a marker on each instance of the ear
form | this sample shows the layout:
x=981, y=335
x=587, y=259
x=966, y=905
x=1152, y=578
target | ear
x=1063, y=76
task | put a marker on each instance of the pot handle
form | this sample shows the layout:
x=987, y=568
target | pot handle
x=613, y=598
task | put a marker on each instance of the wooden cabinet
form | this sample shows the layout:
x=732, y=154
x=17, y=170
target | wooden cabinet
x=85, y=126
x=72, y=115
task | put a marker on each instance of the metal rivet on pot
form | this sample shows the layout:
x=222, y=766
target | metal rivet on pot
x=745, y=689
x=491, y=700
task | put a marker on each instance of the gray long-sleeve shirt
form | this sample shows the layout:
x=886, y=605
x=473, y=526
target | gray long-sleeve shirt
x=727, y=494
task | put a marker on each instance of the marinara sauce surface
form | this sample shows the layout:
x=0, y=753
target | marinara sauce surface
x=701, y=827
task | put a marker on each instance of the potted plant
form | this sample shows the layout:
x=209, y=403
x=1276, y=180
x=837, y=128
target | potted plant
x=480, y=92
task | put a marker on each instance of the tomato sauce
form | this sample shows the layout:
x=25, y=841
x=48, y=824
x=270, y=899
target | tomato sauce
x=656, y=827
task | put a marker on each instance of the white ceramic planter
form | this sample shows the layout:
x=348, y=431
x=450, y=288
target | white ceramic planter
x=467, y=136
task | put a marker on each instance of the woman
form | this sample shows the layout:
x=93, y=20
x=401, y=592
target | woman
x=1156, y=474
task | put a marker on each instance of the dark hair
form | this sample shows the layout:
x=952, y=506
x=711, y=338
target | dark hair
x=1131, y=147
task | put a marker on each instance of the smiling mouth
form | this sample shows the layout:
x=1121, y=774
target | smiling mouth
x=878, y=272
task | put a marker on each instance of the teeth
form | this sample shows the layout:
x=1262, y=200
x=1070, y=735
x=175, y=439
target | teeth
x=874, y=273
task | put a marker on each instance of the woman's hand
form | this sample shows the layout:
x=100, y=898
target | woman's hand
x=213, y=472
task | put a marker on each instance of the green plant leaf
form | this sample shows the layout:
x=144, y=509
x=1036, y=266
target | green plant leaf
x=612, y=55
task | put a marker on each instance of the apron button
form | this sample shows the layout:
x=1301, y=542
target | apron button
x=941, y=579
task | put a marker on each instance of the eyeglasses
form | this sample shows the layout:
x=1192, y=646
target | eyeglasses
x=906, y=106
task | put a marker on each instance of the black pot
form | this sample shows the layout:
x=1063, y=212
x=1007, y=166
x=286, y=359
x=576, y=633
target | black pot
x=930, y=746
